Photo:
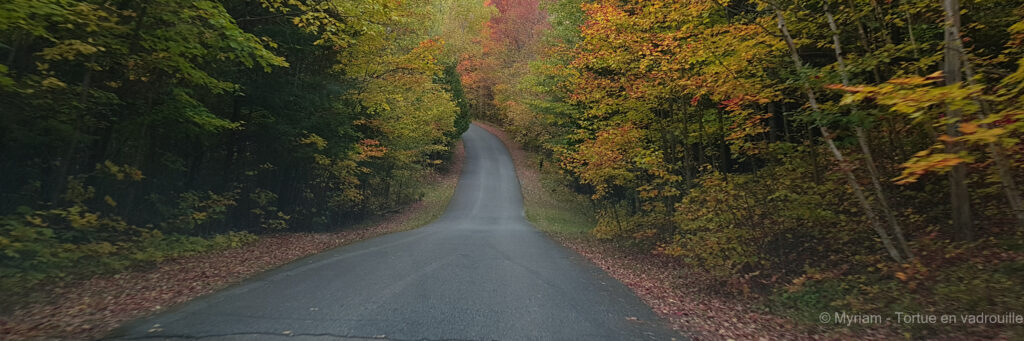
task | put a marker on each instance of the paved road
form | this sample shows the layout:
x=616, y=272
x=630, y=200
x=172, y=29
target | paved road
x=480, y=272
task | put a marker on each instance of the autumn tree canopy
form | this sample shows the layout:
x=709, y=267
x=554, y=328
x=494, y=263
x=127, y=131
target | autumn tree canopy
x=787, y=147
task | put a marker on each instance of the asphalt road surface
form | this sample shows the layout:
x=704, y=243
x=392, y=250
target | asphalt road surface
x=480, y=272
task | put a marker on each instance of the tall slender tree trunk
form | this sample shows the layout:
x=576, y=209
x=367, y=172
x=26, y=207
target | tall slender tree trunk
x=910, y=34
x=723, y=148
x=890, y=216
x=12, y=52
x=865, y=42
x=687, y=153
x=705, y=136
x=71, y=154
x=1003, y=163
x=851, y=180
x=881, y=22
x=963, y=226
x=862, y=139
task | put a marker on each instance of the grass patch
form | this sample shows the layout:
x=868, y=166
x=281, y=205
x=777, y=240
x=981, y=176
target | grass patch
x=436, y=197
x=553, y=208
x=435, y=200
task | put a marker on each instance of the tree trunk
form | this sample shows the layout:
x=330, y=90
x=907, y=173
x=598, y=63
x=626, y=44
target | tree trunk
x=963, y=226
x=910, y=35
x=858, y=191
x=13, y=52
x=881, y=22
x=687, y=154
x=725, y=157
x=865, y=42
x=890, y=217
x=851, y=180
x=1003, y=163
x=71, y=154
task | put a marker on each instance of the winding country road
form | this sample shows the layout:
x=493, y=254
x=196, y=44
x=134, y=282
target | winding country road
x=480, y=272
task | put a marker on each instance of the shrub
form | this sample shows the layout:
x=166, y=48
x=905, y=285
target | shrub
x=773, y=222
x=75, y=241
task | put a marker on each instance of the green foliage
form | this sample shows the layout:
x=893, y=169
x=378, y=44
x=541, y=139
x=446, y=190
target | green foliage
x=195, y=209
x=758, y=228
x=807, y=303
x=947, y=277
x=257, y=116
x=210, y=97
x=76, y=241
x=451, y=79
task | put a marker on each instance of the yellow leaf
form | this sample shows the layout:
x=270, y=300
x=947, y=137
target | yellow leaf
x=51, y=82
x=36, y=221
x=968, y=128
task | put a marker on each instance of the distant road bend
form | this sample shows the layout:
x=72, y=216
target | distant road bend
x=480, y=272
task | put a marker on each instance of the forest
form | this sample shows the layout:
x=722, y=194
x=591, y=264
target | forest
x=863, y=156
x=134, y=131
x=836, y=155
